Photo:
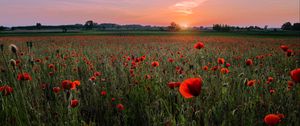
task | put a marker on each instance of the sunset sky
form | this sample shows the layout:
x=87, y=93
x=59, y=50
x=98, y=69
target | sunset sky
x=150, y=12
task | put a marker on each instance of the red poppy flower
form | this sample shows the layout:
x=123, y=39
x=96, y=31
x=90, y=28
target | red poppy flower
x=103, y=93
x=281, y=116
x=272, y=91
x=228, y=65
x=97, y=74
x=249, y=62
x=92, y=78
x=66, y=84
x=6, y=90
x=289, y=52
x=224, y=71
x=172, y=85
x=295, y=75
x=18, y=62
x=284, y=47
x=143, y=58
x=171, y=60
x=290, y=83
x=199, y=45
x=205, y=68
x=74, y=84
x=190, y=87
x=74, y=103
x=120, y=107
x=251, y=83
x=113, y=99
x=155, y=64
x=51, y=74
x=51, y=66
x=148, y=76
x=215, y=68
x=55, y=89
x=221, y=60
x=271, y=119
x=24, y=76
x=270, y=79
x=38, y=60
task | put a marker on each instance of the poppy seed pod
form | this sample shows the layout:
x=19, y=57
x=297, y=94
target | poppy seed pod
x=13, y=48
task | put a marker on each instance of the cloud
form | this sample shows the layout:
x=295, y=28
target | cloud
x=187, y=6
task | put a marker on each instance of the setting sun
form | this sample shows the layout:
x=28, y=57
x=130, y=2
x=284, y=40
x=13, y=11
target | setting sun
x=184, y=26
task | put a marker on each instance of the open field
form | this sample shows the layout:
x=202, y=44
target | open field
x=124, y=79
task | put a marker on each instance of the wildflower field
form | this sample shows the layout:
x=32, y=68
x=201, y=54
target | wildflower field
x=150, y=80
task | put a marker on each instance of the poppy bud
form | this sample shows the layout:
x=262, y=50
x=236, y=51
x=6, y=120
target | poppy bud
x=13, y=48
x=13, y=62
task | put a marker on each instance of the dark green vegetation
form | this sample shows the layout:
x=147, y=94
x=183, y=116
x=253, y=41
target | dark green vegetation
x=142, y=33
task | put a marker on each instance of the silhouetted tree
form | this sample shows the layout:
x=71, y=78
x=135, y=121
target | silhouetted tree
x=89, y=25
x=296, y=27
x=2, y=28
x=223, y=28
x=64, y=29
x=38, y=25
x=266, y=27
x=286, y=26
x=174, y=27
x=217, y=27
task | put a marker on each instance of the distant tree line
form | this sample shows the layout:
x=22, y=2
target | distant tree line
x=2, y=28
x=289, y=26
x=174, y=27
x=226, y=28
x=91, y=25
x=39, y=26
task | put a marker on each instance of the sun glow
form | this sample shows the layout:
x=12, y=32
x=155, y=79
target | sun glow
x=184, y=26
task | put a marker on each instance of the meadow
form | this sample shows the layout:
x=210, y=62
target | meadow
x=149, y=80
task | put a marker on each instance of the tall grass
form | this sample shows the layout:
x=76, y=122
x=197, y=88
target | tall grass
x=225, y=99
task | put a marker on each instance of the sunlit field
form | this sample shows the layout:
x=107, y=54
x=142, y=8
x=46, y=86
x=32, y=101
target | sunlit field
x=150, y=80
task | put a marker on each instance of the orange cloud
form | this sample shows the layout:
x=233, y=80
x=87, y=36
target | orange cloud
x=187, y=6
